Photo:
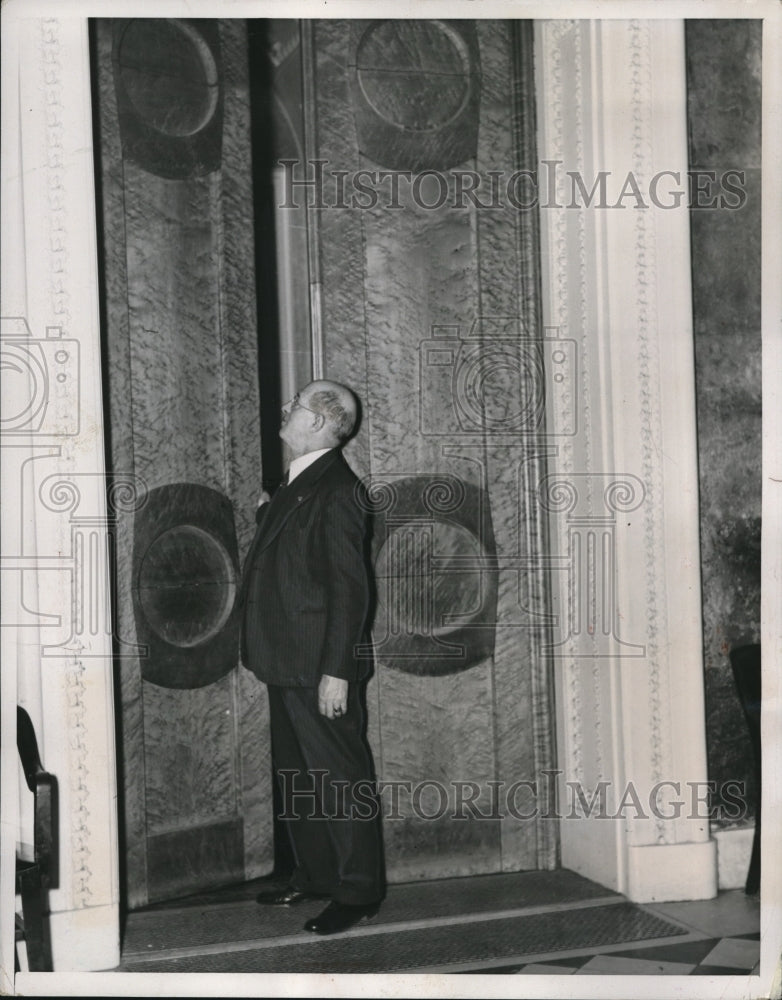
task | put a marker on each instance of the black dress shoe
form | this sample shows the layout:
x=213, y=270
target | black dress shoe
x=339, y=917
x=285, y=897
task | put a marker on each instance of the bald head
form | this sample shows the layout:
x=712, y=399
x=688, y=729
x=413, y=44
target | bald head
x=336, y=403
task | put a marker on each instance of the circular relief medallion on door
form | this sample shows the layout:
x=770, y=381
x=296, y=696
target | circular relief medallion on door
x=185, y=582
x=186, y=586
x=415, y=88
x=414, y=74
x=169, y=74
x=168, y=82
x=435, y=574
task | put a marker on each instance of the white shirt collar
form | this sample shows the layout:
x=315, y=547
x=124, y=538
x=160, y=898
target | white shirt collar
x=298, y=465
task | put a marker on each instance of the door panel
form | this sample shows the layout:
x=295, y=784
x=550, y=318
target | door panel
x=175, y=173
x=430, y=309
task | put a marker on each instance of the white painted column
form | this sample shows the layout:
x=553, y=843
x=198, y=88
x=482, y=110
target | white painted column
x=623, y=490
x=56, y=613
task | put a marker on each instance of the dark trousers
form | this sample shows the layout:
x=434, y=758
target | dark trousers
x=325, y=779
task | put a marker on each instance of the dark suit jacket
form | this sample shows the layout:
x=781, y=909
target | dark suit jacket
x=305, y=588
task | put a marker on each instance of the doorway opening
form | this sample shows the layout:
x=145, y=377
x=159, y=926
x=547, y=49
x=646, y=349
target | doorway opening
x=225, y=289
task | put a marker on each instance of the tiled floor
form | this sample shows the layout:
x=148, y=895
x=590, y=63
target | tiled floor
x=730, y=945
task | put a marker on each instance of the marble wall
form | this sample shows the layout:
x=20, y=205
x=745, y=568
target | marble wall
x=724, y=91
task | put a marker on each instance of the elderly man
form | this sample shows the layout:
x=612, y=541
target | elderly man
x=306, y=599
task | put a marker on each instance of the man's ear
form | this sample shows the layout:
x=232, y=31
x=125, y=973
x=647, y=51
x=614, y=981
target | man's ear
x=318, y=421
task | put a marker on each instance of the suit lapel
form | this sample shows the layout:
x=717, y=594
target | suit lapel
x=294, y=495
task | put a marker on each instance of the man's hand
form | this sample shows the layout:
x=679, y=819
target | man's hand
x=332, y=696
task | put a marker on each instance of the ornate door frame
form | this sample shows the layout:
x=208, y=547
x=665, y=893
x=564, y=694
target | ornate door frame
x=612, y=97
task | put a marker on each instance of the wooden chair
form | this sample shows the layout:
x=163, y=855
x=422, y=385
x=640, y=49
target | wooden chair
x=35, y=878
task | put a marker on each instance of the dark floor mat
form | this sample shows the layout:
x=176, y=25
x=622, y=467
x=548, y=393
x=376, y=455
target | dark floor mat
x=220, y=918
x=405, y=950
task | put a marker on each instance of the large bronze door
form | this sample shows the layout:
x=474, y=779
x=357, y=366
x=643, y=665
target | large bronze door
x=425, y=296
x=181, y=349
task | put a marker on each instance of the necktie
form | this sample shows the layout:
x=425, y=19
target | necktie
x=280, y=491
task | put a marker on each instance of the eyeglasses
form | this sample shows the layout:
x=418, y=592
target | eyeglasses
x=296, y=404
